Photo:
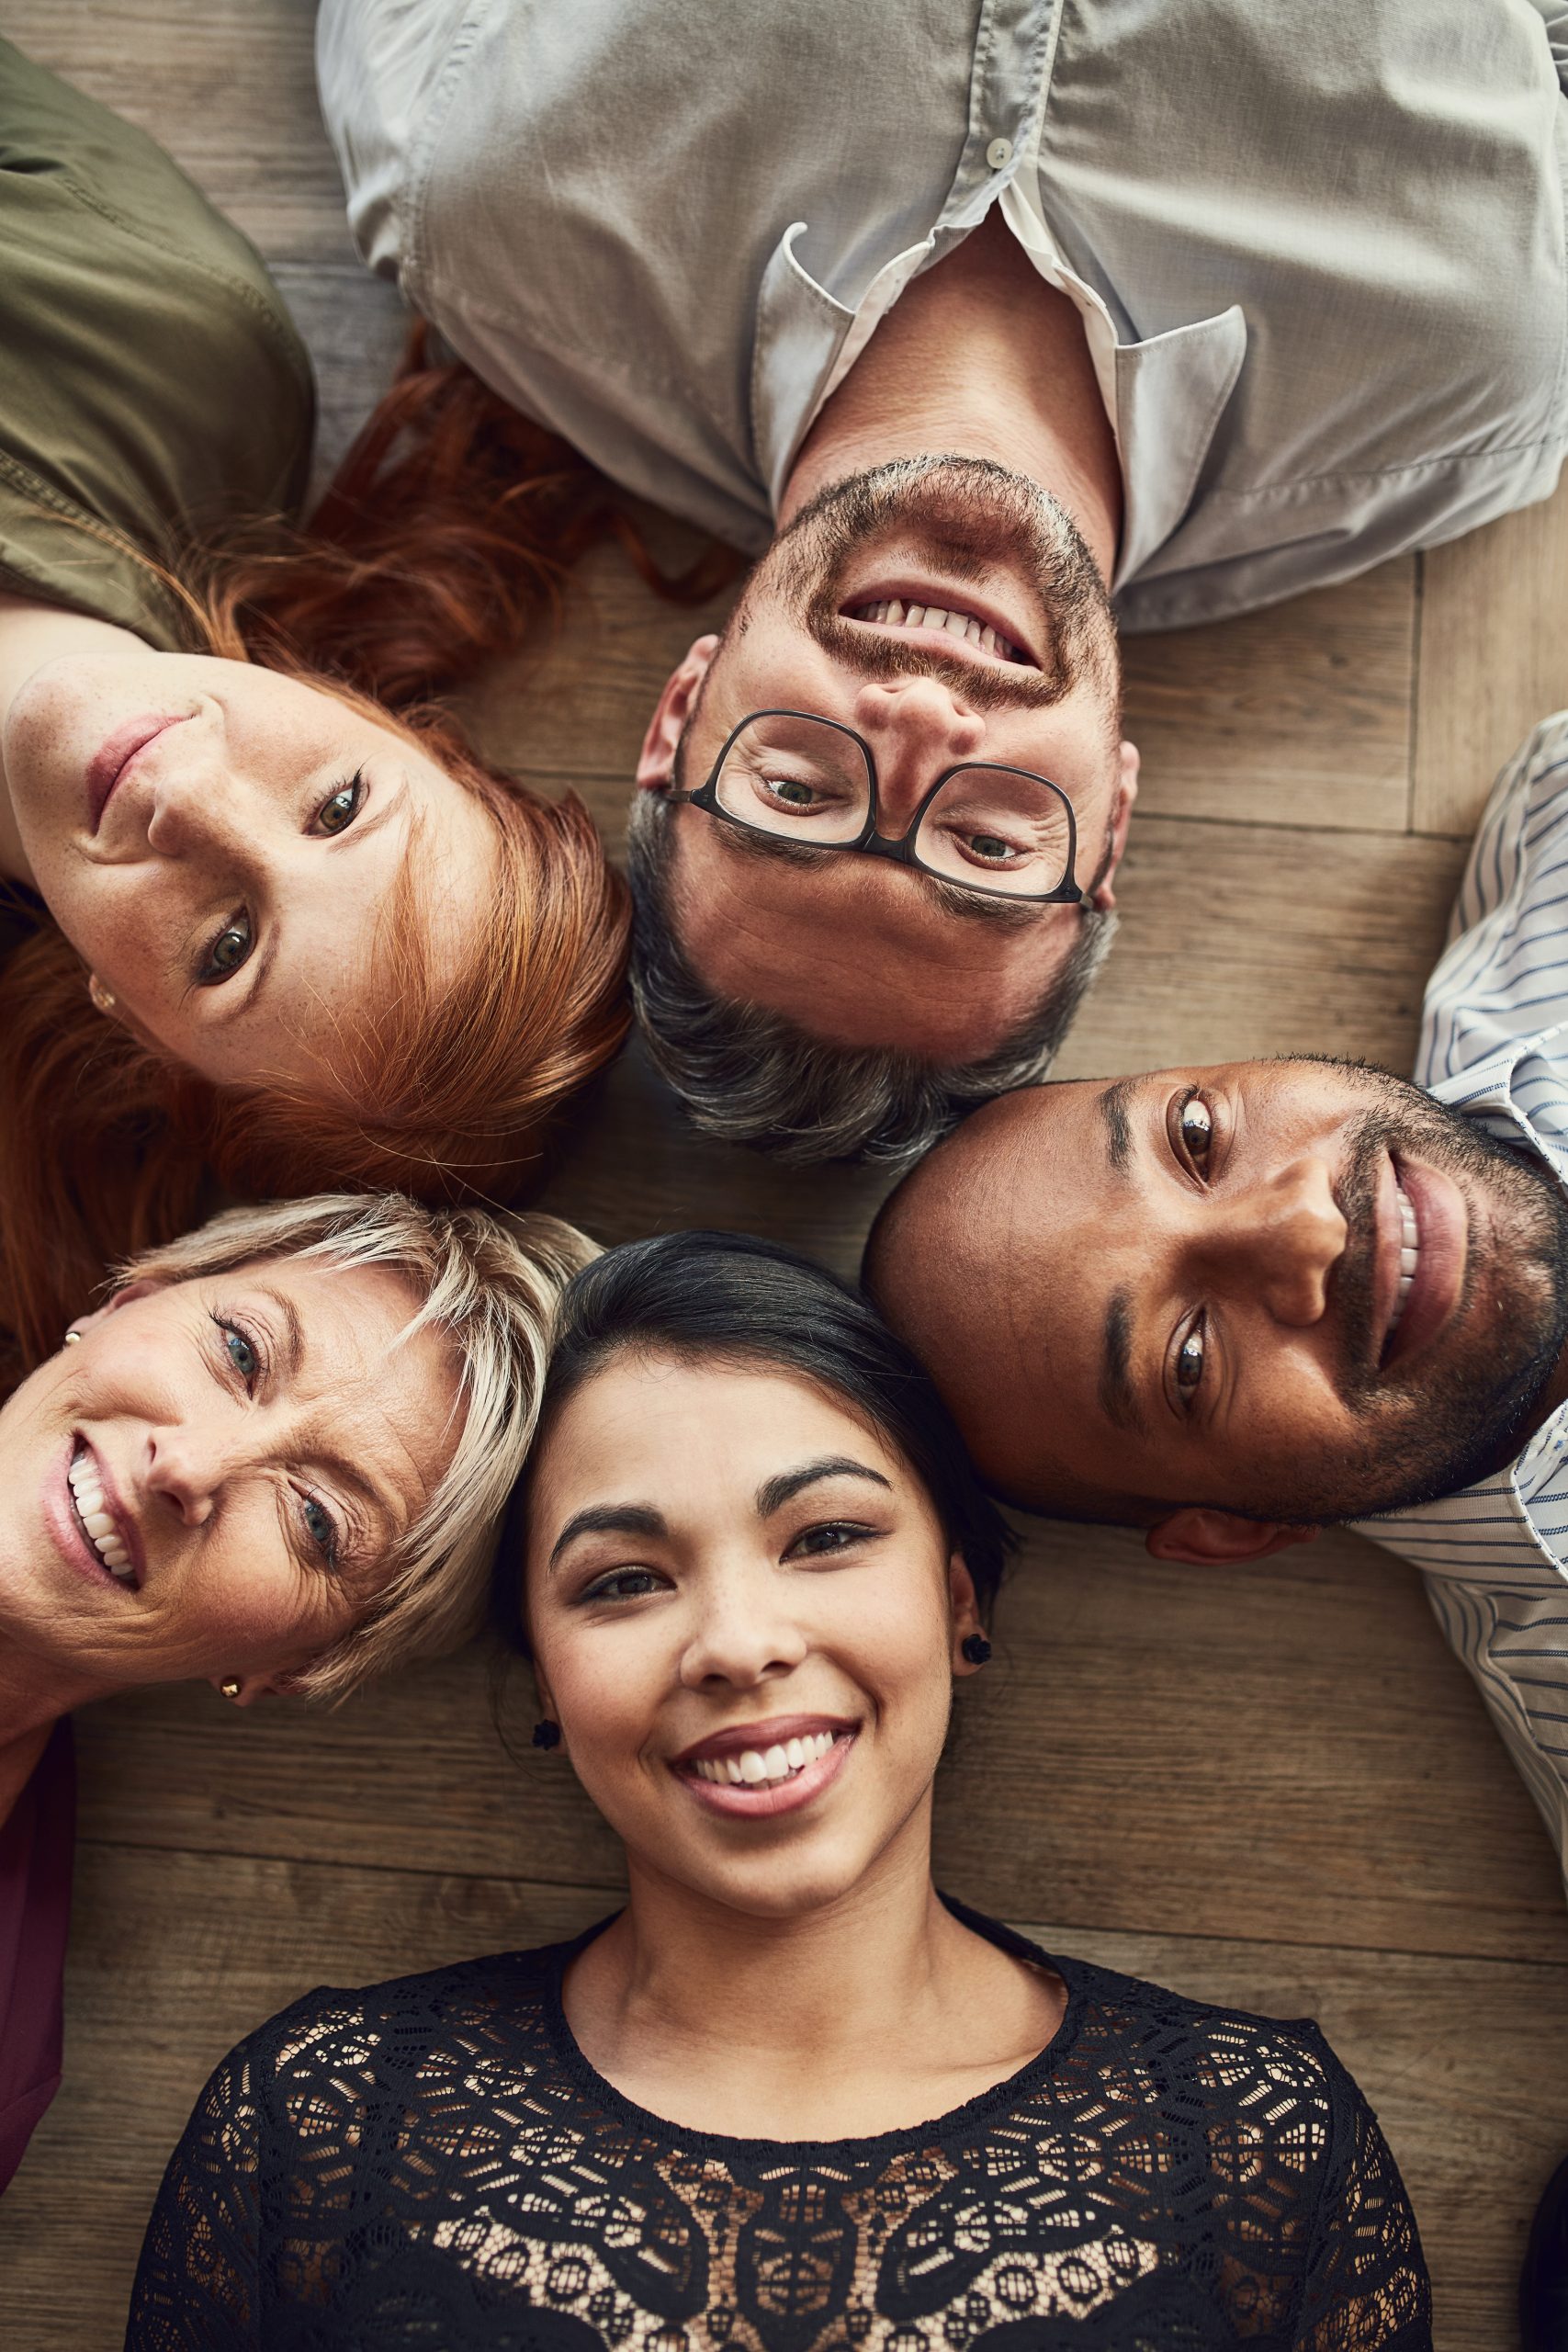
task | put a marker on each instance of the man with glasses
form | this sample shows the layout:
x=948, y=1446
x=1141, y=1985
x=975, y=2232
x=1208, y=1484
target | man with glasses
x=986, y=324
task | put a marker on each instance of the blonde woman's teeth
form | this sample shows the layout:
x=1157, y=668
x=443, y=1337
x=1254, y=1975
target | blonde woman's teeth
x=755, y=1766
x=100, y=1527
x=893, y=613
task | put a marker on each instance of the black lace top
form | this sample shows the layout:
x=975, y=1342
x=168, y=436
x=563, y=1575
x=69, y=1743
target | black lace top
x=434, y=2163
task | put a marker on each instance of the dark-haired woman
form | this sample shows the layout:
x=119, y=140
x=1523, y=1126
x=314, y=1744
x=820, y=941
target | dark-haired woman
x=259, y=923
x=790, y=2099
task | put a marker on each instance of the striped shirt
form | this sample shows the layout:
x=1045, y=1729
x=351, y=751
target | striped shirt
x=1494, y=1044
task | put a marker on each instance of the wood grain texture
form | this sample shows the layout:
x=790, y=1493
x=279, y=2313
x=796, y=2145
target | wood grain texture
x=227, y=87
x=1297, y=716
x=1274, y=1786
x=1493, y=657
x=1466, y=2061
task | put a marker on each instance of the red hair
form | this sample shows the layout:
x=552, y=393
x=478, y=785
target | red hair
x=445, y=534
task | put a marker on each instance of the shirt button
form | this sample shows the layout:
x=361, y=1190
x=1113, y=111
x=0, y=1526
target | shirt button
x=999, y=155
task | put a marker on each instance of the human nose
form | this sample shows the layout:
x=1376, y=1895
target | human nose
x=185, y=1474
x=194, y=805
x=741, y=1635
x=916, y=727
x=1279, y=1240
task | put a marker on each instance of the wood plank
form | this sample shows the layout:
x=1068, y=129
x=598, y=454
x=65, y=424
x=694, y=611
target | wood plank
x=175, y=1957
x=1239, y=941
x=1493, y=657
x=227, y=87
x=1298, y=715
x=1287, y=1752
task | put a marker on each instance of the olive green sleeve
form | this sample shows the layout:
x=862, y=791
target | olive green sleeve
x=153, y=391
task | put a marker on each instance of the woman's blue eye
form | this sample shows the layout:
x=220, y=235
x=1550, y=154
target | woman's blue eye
x=336, y=814
x=320, y=1527
x=241, y=1355
x=227, y=952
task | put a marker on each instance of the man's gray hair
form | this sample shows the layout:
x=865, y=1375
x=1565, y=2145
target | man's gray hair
x=749, y=1076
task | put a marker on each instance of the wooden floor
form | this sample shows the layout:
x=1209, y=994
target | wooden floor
x=1274, y=1786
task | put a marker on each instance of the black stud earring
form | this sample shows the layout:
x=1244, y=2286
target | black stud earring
x=547, y=1733
x=976, y=1648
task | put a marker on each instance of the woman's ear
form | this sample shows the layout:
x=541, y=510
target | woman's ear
x=142, y=1287
x=963, y=1610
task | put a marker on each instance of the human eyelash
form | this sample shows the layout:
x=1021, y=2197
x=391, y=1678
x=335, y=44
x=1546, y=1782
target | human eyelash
x=236, y=1330
x=330, y=1544
x=852, y=1530
x=354, y=790
x=211, y=974
x=237, y=1335
x=599, y=1589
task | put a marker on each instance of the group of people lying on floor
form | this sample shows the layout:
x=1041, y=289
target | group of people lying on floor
x=983, y=339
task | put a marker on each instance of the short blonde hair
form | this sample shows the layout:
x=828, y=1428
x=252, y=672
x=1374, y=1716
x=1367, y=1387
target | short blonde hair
x=489, y=1285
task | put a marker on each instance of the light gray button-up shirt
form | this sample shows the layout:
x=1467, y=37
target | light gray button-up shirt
x=1329, y=240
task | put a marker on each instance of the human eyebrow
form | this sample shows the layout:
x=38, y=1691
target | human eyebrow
x=611, y=1519
x=1118, y=1397
x=969, y=906
x=774, y=1493
x=293, y=1348
x=1114, y=1104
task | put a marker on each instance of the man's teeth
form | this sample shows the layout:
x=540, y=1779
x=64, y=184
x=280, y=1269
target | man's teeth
x=895, y=614
x=1409, y=1252
x=755, y=1764
x=100, y=1527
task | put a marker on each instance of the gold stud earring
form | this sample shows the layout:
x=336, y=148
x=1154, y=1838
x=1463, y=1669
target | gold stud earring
x=231, y=1689
x=73, y=1340
x=102, y=997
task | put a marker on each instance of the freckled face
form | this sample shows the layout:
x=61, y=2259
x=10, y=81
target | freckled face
x=722, y=1562
x=255, y=1443
x=219, y=844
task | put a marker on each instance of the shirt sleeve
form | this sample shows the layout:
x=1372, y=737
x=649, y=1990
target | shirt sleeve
x=1365, y=2281
x=1503, y=976
x=198, y=2283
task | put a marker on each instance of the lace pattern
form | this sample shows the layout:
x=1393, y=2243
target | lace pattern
x=433, y=2164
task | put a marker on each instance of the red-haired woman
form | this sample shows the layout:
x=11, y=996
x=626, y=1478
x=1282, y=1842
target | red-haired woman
x=271, y=921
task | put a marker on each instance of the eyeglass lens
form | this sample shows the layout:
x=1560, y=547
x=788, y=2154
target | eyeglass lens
x=809, y=781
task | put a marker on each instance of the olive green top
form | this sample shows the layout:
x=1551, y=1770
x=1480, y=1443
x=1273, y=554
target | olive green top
x=153, y=387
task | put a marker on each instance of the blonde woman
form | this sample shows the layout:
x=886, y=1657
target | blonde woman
x=275, y=1459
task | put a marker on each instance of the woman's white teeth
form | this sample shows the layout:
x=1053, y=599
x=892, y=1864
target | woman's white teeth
x=755, y=1766
x=89, y=1496
x=1409, y=1253
x=892, y=613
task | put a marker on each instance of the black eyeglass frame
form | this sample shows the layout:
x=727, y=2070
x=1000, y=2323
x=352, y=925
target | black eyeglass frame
x=900, y=848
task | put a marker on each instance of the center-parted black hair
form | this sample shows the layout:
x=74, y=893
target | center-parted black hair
x=728, y=1297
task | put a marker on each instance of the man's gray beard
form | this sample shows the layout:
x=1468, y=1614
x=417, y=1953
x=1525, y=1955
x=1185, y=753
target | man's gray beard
x=1451, y=1436
x=971, y=516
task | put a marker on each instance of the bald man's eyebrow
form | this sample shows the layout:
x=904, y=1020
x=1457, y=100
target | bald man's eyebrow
x=611, y=1519
x=1114, y=1107
x=1117, y=1394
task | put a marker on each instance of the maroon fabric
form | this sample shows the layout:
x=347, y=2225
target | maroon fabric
x=35, y=1915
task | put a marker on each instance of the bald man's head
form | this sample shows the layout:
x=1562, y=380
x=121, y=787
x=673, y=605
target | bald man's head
x=1278, y=1294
